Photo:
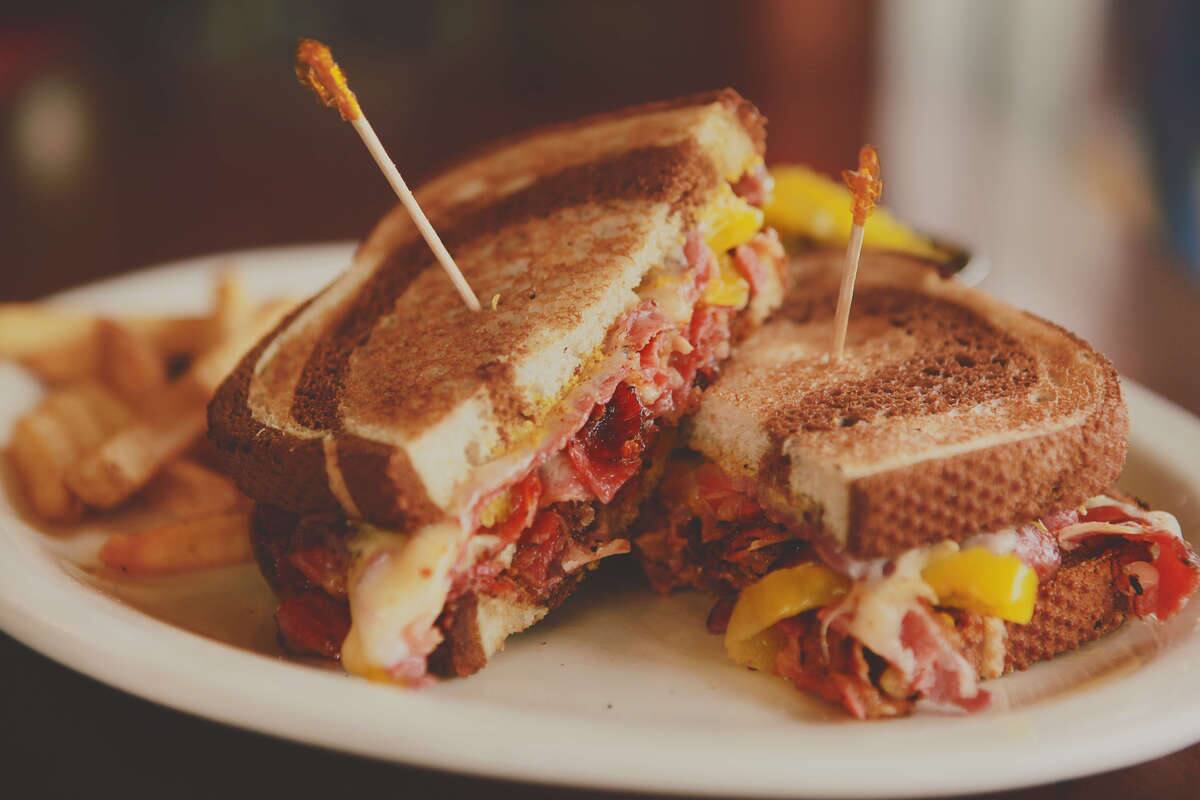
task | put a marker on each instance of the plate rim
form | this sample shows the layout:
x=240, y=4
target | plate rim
x=32, y=607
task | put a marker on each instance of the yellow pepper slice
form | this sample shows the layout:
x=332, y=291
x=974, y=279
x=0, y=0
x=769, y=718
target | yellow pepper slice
x=758, y=652
x=776, y=596
x=727, y=287
x=730, y=221
x=807, y=203
x=979, y=580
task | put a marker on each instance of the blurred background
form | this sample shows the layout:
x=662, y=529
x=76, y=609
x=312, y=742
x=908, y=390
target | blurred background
x=1058, y=140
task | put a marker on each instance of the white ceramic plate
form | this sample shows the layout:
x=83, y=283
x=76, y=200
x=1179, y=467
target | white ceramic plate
x=619, y=689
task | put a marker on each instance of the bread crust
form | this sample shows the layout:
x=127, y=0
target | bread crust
x=371, y=472
x=256, y=454
x=461, y=652
x=1080, y=604
x=747, y=113
x=991, y=488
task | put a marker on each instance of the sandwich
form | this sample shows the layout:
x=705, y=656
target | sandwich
x=935, y=510
x=430, y=480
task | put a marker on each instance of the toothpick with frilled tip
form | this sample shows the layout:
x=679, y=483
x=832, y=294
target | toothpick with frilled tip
x=866, y=187
x=317, y=70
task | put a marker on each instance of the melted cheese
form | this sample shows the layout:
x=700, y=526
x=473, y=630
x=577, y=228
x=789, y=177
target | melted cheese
x=877, y=608
x=995, y=648
x=1158, y=520
x=667, y=286
x=398, y=586
x=1069, y=536
x=727, y=287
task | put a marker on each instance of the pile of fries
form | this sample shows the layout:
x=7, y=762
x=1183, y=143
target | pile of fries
x=121, y=426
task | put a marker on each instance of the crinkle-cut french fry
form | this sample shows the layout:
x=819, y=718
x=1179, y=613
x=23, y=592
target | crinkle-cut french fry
x=47, y=440
x=65, y=362
x=232, y=307
x=129, y=459
x=201, y=543
x=90, y=413
x=130, y=365
x=187, y=489
x=27, y=329
x=41, y=451
x=171, y=336
x=207, y=372
x=60, y=343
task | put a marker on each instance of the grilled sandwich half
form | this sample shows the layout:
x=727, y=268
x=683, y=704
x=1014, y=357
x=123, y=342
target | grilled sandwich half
x=431, y=480
x=935, y=509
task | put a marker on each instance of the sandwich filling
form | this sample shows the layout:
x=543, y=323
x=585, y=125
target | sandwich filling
x=395, y=605
x=879, y=636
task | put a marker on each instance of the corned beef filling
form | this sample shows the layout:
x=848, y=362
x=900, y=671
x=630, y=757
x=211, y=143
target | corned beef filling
x=714, y=537
x=305, y=561
x=608, y=451
x=552, y=529
x=711, y=534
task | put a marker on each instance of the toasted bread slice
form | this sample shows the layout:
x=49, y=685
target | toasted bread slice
x=384, y=394
x=385, y=402
x=1080, y=604
x=952, y=412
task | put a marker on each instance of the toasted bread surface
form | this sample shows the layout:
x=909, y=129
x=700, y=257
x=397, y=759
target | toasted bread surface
x=952, y=412
x=479, y=625
x=1079, y=604
x=382, y=395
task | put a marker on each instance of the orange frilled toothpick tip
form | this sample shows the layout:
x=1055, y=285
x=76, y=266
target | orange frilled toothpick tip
x=864, y=183
x=317, y=70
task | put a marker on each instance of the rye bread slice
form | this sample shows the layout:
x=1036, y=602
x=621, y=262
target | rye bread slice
x=952, y=413
x=1080, y=604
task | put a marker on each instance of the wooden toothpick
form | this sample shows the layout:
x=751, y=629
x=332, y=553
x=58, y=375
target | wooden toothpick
x=866, y=187
x=317, y=70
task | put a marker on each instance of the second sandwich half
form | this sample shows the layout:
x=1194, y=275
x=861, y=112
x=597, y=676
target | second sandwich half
x=934, y=510
x=431, y=480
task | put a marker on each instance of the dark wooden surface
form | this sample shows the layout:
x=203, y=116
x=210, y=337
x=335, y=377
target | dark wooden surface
x=182, y=147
